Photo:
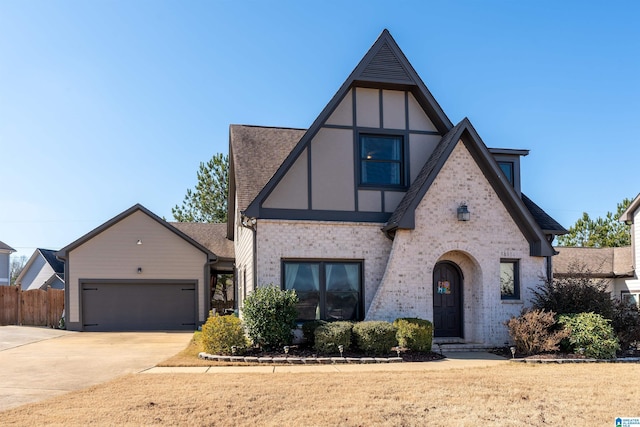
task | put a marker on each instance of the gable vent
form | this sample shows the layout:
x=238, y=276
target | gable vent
x=385, y=66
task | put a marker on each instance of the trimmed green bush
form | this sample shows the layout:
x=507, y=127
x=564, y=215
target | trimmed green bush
x=591, y=334
x=328, y=336
x=269, y=315
x=535, y=331
x=309, y=329
x=221, y=333
x=414, y=334
x=375, y=337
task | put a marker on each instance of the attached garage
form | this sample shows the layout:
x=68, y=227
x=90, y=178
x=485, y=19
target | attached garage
x=138, y=306
x=137, y=272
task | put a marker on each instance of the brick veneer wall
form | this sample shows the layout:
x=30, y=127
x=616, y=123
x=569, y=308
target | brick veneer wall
x=475, y=246
x=278, y=239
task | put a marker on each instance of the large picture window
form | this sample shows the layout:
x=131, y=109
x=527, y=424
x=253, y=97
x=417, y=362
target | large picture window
x=327, y=290
x=509, y=279
x=381, y=160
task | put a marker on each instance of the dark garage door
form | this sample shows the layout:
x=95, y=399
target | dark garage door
x=138, y=306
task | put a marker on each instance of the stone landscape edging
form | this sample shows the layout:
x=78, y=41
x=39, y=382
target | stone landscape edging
x=299, y=360
x=620, y=360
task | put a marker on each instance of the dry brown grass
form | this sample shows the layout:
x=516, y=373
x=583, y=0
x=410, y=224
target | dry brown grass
x=189, y=356
x=509, y=395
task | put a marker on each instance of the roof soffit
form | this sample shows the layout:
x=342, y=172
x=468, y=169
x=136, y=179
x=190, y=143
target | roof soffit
x=384, y=65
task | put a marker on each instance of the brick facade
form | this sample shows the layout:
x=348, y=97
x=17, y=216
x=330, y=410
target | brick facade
x=476, y=246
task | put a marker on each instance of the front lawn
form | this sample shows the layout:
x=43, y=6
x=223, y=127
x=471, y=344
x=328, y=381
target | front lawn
x=508, y=395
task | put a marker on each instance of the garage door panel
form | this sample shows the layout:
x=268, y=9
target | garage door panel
x=138, y=307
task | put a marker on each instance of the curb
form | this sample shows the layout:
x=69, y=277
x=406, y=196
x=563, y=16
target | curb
x=568, y=361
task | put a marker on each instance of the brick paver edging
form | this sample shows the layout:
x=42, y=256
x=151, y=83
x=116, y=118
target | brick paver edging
x=621, y=360
x=299, y=360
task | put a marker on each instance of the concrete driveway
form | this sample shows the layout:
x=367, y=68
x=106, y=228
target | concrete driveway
x=38, y=363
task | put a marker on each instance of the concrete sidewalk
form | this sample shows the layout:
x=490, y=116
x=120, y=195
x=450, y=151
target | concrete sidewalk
x=454, y=360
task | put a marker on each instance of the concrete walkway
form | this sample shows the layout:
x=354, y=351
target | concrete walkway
x=454, y=360
x=38, y=363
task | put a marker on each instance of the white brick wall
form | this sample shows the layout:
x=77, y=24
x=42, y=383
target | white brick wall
x=475, y=246
x=279, y=239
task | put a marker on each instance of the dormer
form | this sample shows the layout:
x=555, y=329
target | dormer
x=509, y=162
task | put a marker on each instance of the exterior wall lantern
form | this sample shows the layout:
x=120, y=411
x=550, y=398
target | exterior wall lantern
x=463, y=212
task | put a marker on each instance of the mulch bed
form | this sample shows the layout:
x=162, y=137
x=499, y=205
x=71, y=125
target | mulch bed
x=303, y=352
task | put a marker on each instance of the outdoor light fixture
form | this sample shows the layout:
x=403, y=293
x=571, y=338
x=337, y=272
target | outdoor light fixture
x=513, y=352
x=139, y=270
x=139, y=242
x=463, y=212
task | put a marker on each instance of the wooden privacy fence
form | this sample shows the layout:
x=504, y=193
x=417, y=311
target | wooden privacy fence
x=33, y=308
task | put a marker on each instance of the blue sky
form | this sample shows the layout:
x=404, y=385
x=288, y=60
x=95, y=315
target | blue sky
x=104, y=104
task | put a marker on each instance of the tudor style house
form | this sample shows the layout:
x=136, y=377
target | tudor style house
x=384, y=208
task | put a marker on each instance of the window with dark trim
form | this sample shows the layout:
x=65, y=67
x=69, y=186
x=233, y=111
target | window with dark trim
x=507, y=170
x=381, y=160
x=509, y=279
x=630, y=297
x=327, y=290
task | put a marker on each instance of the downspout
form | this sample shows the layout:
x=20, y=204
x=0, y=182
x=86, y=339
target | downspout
x=252, y=224
x=550, y=238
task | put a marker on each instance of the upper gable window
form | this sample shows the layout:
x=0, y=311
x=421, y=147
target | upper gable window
x=507, y=170
x=381, y=160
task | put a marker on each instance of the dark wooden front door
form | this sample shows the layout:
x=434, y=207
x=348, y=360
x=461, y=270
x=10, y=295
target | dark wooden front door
x=447, y=300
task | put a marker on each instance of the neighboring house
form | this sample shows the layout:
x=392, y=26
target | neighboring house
x=383, y=208
x=631, y=289
x=5, y=264
x=139, y=272
x=613, y=265
x=43, y=270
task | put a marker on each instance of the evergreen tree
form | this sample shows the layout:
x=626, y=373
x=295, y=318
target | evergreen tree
x=208, y=201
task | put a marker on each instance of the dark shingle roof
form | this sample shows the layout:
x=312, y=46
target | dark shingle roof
x=211, y=236
x=546, y=223
x=257, y=154
x=50, y=256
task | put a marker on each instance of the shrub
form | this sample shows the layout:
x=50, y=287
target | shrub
x=414, y=334
x=330, y=335
x=309, y=329
x=626, y=323
x=221, y=333
x=592, y=333
x=535, y=331
x=269, y=314
x=577, y=292
x=375, y=336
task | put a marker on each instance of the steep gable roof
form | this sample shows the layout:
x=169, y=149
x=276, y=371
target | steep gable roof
x=404, y=215
x=63, y=253
x=383, y=66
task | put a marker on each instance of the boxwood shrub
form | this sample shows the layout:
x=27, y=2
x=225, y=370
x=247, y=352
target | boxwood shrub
x=221, y=333
x=328, y=336
x=414, y=334
x=269, y=315
x=375, y=336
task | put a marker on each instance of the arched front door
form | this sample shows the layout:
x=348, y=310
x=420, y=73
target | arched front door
x=447, y=300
